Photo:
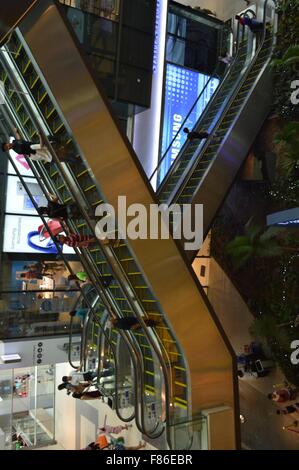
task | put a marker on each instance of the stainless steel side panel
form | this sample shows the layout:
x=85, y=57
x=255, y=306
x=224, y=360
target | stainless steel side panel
x=116, y=168
x=218, y=180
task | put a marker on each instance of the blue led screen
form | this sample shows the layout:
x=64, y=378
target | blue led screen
x=182, y=87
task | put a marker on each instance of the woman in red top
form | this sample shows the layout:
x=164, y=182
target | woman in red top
x=75, y=240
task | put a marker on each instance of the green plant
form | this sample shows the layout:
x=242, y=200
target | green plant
x=287, y=142
x=290, y=57
x=257, y=241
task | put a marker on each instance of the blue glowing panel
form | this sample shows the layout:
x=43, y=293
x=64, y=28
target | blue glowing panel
x=182, y=87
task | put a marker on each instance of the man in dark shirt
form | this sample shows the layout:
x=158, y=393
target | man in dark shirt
x=129, y=323
x=36, y=152
x=56, y=210
x=22, y=147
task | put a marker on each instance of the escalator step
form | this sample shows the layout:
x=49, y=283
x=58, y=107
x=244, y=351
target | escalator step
x=181, y=384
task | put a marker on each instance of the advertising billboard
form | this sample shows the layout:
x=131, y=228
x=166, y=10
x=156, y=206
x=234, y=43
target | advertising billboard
x=182, y=87
x=21, y=236
x=17, y=199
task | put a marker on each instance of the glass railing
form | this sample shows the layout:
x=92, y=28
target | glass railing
x=191, y=434
x=27, y=407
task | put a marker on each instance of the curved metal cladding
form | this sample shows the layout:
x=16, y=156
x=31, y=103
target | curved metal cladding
x=116, y=169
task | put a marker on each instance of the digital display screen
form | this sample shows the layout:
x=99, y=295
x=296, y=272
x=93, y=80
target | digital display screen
x=182, y=87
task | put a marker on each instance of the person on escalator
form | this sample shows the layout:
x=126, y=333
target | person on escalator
x=92, y=395
x=253, y=24
x=77, y=377
x=76, y=240
x=36, y=152
x=57, y=210
x=192, y=135
x=227, y=59
x=129, y=323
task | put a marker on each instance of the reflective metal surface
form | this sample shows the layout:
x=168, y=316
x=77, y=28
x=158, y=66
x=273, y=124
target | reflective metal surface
x=117, y=170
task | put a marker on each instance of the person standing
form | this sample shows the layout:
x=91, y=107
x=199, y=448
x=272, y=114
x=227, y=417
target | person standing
x=36, y=152
x=129, y=323
x=76, y=377
x=75, y=240
x=58, y=211
x=253, y=24
x=107, y=429
x=280, y=396
x=192, y=135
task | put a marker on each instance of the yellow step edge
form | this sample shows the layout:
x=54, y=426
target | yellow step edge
x=144, y=346
x=180, y=368
x=81, y=173
x=150, y=373
x=181, y=400
x=58, y=128
x=181, y=384
x=42, y=98
x=34, y=82
x=180, y=405
x=26, y=67
x=89, y=188
x=50, y=113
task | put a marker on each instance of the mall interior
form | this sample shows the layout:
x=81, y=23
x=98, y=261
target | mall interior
x=109, y=108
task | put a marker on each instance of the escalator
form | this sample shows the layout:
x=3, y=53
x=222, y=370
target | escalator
x=147, y=378
x=152, y=278
x=60, y=189
x=204, y=172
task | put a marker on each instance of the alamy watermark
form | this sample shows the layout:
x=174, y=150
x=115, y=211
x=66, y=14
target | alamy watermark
x=295, y=94
x=136, y=221
x=295, y=353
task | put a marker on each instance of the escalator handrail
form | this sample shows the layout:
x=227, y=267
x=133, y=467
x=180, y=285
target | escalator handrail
x=190, y=169
x=215, y=96
x=214, y=75
x=141, y=321
x=59, y=249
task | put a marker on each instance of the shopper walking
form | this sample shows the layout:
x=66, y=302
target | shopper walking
x=288, y=409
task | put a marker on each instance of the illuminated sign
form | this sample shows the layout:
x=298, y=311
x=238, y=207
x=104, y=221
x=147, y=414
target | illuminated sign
x=21, y=236
x=182, y=87
x=7, y=358
x=287, y=218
